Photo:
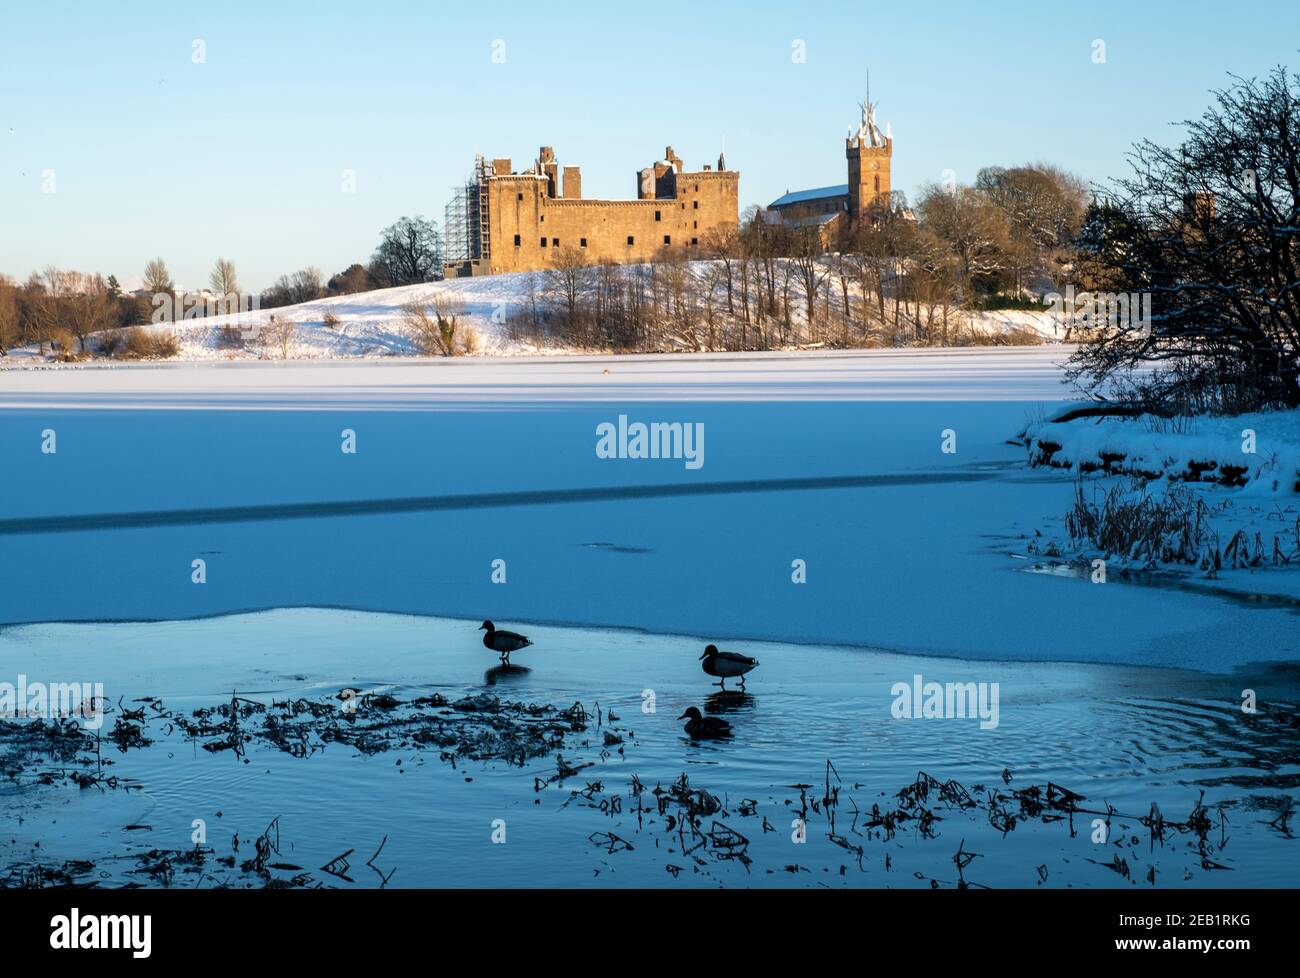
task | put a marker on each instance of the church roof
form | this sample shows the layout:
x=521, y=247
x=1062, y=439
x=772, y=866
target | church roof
x=817, y=193
x=812, y=221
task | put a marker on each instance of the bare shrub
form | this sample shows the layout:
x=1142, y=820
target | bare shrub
x=165, y=344
x=1015, y=336
x=110, y=342
x=140, y=343
x=278, y=335
x=65, y=346
x=436, y=326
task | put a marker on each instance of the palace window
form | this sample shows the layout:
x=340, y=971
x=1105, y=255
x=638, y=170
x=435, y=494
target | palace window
x=517, y=241
x=582, y=242
x=695, y=205
x=668, y=239
x=631, y=239
x=519, y=196
x=543, y=242
x=695, y=241
x=659, y=215
x=555, y=242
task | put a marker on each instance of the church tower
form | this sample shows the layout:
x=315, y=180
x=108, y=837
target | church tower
x=869, y=152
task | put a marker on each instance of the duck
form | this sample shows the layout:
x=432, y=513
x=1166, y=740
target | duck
x=502, y=641
x=700, y=727
x=724, y=665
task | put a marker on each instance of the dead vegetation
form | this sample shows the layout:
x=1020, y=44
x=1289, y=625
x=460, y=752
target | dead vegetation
x=140, y=343
x=437, y=327
x=691, y=828
x=697, y=830
x=278, y=336
x=1148, y=529
x=1138, y=525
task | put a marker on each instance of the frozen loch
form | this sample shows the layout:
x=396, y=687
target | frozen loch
x=295, y=689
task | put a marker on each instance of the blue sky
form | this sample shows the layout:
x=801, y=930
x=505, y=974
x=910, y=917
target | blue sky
x=242, y=155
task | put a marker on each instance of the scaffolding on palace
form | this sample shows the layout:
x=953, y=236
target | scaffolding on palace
x=465, y=219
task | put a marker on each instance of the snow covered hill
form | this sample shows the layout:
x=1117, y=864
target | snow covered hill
x=369, y=324
x=372, y=324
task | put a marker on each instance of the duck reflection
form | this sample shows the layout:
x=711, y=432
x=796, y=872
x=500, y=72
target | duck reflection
x=505, y=673
x=728, y=701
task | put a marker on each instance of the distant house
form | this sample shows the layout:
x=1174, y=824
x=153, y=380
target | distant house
x=818, y=202
x=838, y=208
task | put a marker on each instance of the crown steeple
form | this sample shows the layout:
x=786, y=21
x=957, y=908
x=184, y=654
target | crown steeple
x=869, y=133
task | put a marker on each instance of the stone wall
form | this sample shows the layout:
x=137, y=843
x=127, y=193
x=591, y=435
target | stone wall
x=523, y=215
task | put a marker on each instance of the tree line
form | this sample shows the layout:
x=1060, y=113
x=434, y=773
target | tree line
x=59, y=311
x=899, y=277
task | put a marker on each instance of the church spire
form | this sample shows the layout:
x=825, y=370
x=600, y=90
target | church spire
x=868, y=132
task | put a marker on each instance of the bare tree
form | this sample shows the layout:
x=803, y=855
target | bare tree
x=409, y=251
x=158, y=283
x=8, y=315
x=354, y=278
x=722, y=243
x=1042, y=201
x=807, y=250
x=88, y=309
x=974, y=227
x=157, y=278
x=1208, y=231
x=223, y=279
x=569, y=278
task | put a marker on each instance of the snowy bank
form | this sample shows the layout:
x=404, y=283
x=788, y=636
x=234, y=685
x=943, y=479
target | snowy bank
x=1259, y=453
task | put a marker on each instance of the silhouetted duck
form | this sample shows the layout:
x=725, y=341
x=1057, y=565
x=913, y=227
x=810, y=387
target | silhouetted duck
x=700, y=727
x=724, y=665
x=499, y=640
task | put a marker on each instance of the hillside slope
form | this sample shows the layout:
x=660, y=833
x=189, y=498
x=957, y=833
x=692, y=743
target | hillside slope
x=371, y=324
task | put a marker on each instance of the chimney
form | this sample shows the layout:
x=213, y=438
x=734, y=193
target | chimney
x=572, y=183
x=546, y=159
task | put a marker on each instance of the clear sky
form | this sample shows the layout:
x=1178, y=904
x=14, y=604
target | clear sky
x=150, y=150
